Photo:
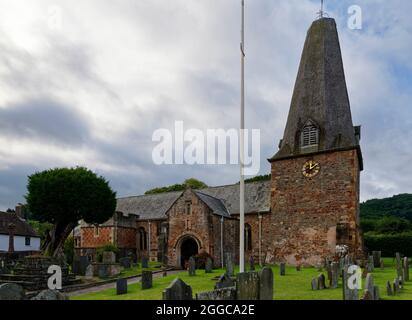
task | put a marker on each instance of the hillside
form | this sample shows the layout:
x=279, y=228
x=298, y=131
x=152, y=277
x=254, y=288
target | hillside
x=398, y=206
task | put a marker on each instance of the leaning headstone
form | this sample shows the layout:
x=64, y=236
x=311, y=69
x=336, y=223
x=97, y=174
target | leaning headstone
x=192, y=267
x=229, y=265
x=266, y=284
x=334, y=275
x=389, y=290
x=89, y=271
x=224, y=282
x=125, y=262
x=109, y=257
x=405, y=269
x=314, y=284
x=121, y=286
x=382, y=264
x=147, y=279
x=376, y=258
x=11, y=291
x=252, y=263
x=178, y=290
x=50, y=295
x=369, y=285
x=145, y=262
x=282, y=268
x=348, y=292
x=321, y=282
x=218, y=294
x=247, y=286
x=209, y=266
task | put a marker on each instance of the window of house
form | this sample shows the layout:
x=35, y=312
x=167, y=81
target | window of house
x=248, y=237
x=27, y=241
x=309, y=135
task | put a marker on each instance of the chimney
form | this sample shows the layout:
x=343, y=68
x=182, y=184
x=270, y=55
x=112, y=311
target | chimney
x=20, y=211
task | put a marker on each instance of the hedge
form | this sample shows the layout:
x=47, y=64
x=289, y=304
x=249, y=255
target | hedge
x=389, y=244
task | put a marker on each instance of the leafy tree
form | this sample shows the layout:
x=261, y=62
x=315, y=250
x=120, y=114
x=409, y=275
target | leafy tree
x=189, y=183
x=399, y=206
x=69, y=249
x=64, y=196
x=265, y=177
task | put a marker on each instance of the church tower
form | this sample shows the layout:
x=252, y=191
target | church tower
x=316, y=171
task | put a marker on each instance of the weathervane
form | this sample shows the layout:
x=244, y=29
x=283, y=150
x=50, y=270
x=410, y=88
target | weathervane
x=321, y=13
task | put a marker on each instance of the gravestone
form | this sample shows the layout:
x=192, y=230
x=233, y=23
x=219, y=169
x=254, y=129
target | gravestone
x=145, y=262
x=218, y=294
x=109, y=257
x=164, y=273
x=125, y=262
x=209, y=266
x=369, y=267
x=396, y=287
x=252, y=263
x=121, y=286
x=80, y=264
x=321, y=282
x=247, y=286
x=399, y=264
x=229, y=265
x=224, y=282
x=369, y=285
x=11, y=291
x=389, y=290
x=178, y=290
x=376, y=258
x=405, y=269
x=376, y=293
x=334, y=275
x=192, y=267
x=371, y=264
x=147, y=280
x=50, y=295
x=266, y=284
x=103, y=271
x=382, y=264
x=298, y=267
x=367, y=295
x=348, y=292
x=314, y=284
x=282, y=268
x=89, y=271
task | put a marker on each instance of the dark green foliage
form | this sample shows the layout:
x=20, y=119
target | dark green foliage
x=189, y=183
x=106, y=248
x=389, y=244
x=63, y=196
x=399, y=206
x=265, y=177
x=42, y=228
x=69, y=249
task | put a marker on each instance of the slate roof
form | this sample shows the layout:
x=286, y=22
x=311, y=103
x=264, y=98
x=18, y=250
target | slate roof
x=222, y=200
x=22, y=227
x=320, y=94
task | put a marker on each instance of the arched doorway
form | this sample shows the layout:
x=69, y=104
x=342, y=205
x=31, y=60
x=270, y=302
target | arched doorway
x=188, y=248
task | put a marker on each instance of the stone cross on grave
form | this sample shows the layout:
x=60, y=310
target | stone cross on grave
x=12, y=227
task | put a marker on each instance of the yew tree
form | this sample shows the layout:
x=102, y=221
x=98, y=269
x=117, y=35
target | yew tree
x=63, y=197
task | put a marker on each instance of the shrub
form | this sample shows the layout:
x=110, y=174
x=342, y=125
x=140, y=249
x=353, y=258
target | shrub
x=389, y=244
x=109, y=247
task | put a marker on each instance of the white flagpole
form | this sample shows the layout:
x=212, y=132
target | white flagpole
x=242, y=147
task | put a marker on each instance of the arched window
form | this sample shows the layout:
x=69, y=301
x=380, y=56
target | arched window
x=310, y=135
x=142, y=239
x=248, y=237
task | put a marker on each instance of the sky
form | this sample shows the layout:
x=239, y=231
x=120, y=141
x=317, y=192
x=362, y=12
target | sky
x=86, y=83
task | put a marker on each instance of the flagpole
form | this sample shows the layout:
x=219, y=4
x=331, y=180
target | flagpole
x=242, y=138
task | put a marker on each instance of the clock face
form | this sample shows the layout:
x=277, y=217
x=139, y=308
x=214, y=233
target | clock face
x=310, y=169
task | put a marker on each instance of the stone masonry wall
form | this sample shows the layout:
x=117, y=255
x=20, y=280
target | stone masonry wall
x=306, y=211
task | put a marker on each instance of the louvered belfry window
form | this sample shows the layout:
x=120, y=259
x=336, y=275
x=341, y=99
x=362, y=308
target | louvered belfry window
x=309, y=135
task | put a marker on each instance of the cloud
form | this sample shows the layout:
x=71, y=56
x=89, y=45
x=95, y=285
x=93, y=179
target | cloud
x=92, y=90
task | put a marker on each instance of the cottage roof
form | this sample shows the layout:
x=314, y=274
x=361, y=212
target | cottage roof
x=22, y=228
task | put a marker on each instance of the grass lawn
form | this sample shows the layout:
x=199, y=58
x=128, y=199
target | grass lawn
x=295, y=285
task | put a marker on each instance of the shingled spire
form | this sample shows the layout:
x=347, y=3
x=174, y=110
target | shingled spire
x=320, y=99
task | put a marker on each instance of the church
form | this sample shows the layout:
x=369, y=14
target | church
x=308, y=207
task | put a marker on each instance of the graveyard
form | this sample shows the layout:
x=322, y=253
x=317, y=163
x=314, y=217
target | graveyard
x=293, y=285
